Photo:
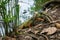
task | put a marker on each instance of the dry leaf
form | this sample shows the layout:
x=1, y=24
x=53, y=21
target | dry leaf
x=13, y=38
x=36, y=32
x=39, y=19
x=49, y=30
x=54, y=11
x=57, y=25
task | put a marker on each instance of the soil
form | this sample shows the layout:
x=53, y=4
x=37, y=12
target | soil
x=52, y=19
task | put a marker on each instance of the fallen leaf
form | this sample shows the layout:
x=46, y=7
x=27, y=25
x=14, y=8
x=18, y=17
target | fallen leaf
x=36, y=32
x=49, y=30
x=57, y=25
x=39, y=19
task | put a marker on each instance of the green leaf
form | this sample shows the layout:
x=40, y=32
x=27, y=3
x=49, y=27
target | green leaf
x=39, y=4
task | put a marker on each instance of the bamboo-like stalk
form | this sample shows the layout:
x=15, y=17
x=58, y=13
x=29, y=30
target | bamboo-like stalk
x=6, y=15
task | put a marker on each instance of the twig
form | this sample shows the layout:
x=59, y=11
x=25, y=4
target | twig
x=32, y=35
x=43, y=36
x=52, y=22
x=38, y=25
x=48, y=19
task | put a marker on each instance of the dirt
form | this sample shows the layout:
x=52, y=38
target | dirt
x=51, y=22
x=34, y=32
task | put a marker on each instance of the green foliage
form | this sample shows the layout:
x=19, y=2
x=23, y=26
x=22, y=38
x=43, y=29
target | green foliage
x=17, y=15
x=16, y=18
x=39, y=4
x=7, y=18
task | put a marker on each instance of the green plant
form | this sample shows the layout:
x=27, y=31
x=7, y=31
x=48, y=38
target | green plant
x=8, y=18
